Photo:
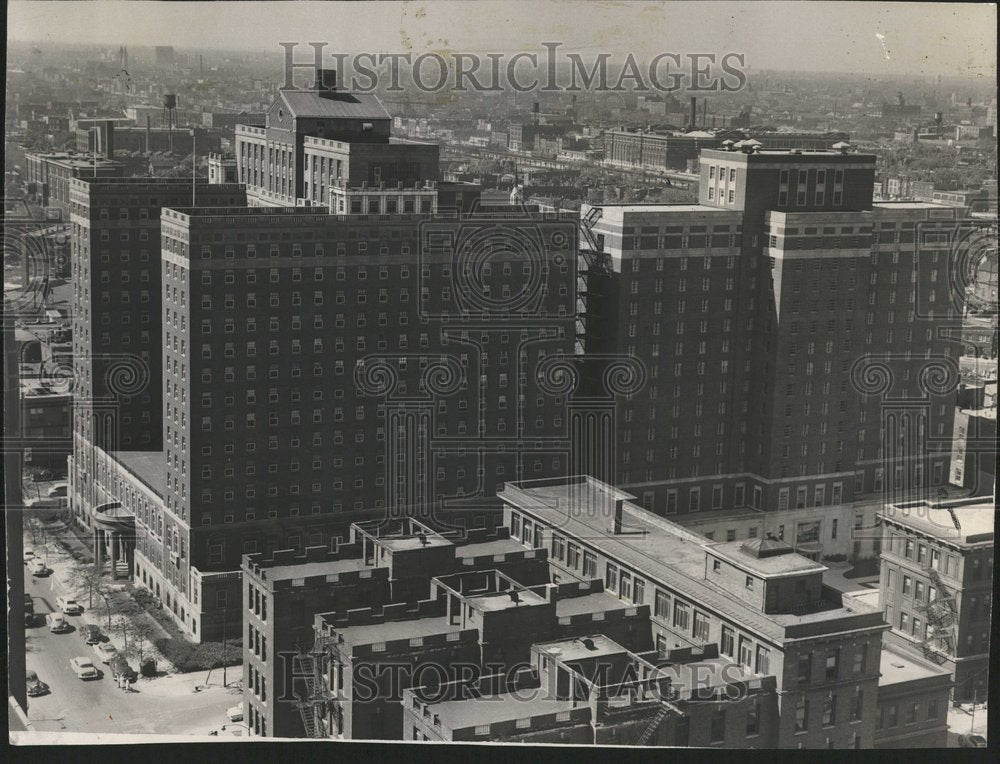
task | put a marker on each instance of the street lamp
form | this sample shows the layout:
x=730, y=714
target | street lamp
x=225, y=617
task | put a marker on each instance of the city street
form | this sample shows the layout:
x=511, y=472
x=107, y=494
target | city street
x=164, y=705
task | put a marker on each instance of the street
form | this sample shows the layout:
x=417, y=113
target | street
x=165, y=704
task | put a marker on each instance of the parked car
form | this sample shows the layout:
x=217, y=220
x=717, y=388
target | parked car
x=38, y=568
x=57, y=623
x=58, y=490
x=29, y=604
x=92, y=634
x=69, y=606
x=29, y=619
x=84, y=668
x=41, y=476
x=36, y=686
x=235, y=713
x=105, y=652
x=971, y=741
x=119, y=666
x=29, y=555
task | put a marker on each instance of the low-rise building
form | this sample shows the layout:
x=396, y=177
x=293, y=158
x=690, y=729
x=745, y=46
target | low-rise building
x=937, y=585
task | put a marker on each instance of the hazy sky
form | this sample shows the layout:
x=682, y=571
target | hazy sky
x=920, y=38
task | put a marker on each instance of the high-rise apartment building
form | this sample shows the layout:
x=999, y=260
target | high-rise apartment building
x=116, y=274
x=767, y=317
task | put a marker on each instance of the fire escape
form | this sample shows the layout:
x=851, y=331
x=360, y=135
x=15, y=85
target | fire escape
x=666, y=708
x=592, y=260
x=319, y=699
x=941, y=620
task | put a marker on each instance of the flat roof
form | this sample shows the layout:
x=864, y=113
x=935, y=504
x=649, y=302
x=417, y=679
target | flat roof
x=777, y=565
x=574, y=649
x=490, y=709
x=624, y=209
x=366, y=634
x=494, y=601
x=402, y=543
x=596, y=602
x=977, y=520
x=582, y=507
x=149, y=466
x=305, y=569
x=895, y=667
x=497, y=546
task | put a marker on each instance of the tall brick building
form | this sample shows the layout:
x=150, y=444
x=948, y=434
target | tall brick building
x=775, y=318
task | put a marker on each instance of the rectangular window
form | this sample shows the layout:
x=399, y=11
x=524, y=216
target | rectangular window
x=718, y=732
x=805, y=667
x=611, y=578
x=832, y=664
x=700, y=627
x=746, y=653
x=662, y=604
x=681, y=616
x=802, y=715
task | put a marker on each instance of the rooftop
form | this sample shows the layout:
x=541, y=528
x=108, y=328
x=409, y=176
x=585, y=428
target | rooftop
x=976, y=519
x=307, y=569
x=775, y=566
x=366, y=634
x=591, y=646
x=582, y=507
x=597, y=602
x=494, y=601
x=505, y=707
x=149, y=466
x=497, y=546
x=311, y=103
x=895, y=668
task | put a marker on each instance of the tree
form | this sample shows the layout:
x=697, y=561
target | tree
x=88, y=578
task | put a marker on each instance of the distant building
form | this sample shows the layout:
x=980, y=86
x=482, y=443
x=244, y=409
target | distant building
x=222, y=168
x=45, y=419
x=47, y=175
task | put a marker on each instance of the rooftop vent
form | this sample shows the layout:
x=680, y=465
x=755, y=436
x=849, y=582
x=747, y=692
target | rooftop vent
x=588, y=643
x=842, y=146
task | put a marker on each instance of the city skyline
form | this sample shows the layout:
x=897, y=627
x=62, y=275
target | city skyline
x=926, y=39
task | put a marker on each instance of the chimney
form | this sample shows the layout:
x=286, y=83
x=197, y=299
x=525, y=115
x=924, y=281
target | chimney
x=693, y=114
x=617, y=527
x=326, y=79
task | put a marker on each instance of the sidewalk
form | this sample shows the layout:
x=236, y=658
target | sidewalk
x=63, y=555
x=961, y=721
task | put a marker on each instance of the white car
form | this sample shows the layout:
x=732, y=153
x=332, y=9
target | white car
x=69, y=606
x=84, y=668
x=37, y=567
x=57, y=623
x=235, y=713
x=105, y=651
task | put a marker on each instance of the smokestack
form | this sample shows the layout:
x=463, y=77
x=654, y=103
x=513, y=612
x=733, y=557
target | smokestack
x=693, y=113
x=148, y=131
x=617, y=527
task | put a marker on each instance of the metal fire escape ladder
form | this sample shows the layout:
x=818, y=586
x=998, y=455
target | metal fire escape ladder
x=309, y=667
x=654, y=723
x=941, y=617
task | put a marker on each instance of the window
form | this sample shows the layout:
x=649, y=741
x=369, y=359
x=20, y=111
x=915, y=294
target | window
x=805, y=667
x=932, y=709
x=558, y=548
x=860, y=659
x=802, y=715
x=829, y=710
x=746, y=653
x=700, y=627
x=728, y=642
x=858, y=705
x=763, y=665
x=611, y=578
x=662, y=604
x=681, y=616
x=589, y=565
x=572, y=556
x=832, y=664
